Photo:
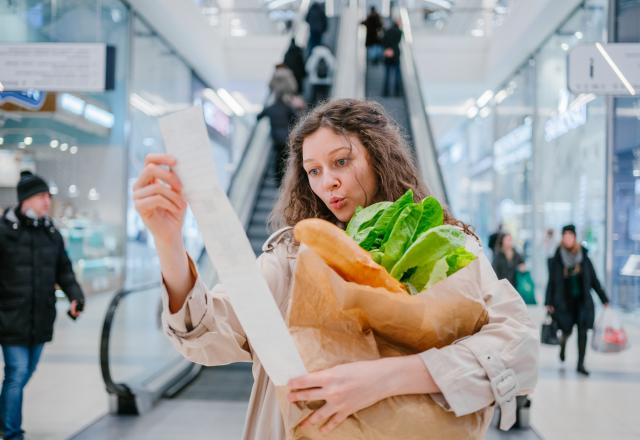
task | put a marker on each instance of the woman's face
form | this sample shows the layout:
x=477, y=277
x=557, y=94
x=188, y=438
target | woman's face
x=568, y=240
x=339, y=171
x=507, y=242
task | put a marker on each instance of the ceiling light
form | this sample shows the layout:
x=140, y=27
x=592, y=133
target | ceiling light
x=579, y=35
x=28, y=140
x=500, y=10
x=615, y=69
x=441, y=4
x=279, y=3
x=73, y=149
x=53, y=188
x=484, y=98
x=564, y=46
x=99, y=116
x=231, y=102
x=72, y=191
x=146, y=107
x=212, y=96
x=472, y=112
x=54, y=143
x=1, y=140
x=64, y=146
x=93, y=194
x=238, y=32
x=477, y=33
x=22, y=145
x=501, y=96
x=486, y=111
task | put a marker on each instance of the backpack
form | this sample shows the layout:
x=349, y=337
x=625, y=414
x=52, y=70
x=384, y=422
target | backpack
x=322, y=68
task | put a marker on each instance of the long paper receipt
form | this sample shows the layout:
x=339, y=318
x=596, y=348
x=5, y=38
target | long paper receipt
x=185, y=137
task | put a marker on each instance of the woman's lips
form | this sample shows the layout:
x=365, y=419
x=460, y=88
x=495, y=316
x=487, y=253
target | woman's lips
x=337, y=202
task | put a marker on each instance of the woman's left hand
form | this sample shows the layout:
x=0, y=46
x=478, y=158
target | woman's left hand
x=348, y=388
x=345, y=388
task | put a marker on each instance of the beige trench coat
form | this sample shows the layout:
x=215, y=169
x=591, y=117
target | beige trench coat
x=492, y=366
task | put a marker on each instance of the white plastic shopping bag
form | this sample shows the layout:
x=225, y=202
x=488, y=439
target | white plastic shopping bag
x=609, y=335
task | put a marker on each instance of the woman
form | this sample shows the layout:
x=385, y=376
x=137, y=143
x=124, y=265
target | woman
x=507, y=261
x=343, y=154
x=568, y=298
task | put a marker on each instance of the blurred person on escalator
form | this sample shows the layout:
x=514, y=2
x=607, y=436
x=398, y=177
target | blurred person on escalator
x=568, y=296
x=373, y=41
x=33, y=261
x=294, y=60
x=317, y=20
x=282, y=116
x=320, y=68
x=391, y=54
x=283, y=82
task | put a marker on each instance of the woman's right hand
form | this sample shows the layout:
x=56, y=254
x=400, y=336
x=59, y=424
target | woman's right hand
x=157, y=195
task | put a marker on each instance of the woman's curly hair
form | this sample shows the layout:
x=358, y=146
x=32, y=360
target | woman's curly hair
x=387, y=150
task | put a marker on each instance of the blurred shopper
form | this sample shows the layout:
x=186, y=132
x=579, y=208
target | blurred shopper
x=320, y=68
x=391, y=44
x=283, y=82
x=33, y=261
x=294, y=60
x=281, y=116
x=373, y=42
x=568, y=298
x=507, y=261
x=317, y=20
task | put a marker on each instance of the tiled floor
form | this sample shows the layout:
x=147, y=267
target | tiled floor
x=67, y=392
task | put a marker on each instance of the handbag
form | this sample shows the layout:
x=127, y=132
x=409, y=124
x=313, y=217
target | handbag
x=526, y=287
x=549, y=331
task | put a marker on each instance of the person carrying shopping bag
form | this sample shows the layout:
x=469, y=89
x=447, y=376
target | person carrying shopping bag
x=568, y=296
x=342, y=155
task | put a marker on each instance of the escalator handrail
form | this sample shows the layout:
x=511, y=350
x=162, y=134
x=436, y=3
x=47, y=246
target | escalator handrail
x=119, y=389
x=407, y=53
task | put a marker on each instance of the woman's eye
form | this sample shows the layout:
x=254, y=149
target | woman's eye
x=341, y=162
x=313, y=172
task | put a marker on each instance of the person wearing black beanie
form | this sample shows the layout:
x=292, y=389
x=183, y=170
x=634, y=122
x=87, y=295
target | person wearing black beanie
x=30, y=185
x=568, y=296
x=34, y=261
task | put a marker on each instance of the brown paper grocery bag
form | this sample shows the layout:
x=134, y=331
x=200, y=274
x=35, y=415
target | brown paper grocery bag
x=334, y=322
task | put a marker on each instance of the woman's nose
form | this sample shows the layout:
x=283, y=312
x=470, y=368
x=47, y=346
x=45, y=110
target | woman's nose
x=331, y=181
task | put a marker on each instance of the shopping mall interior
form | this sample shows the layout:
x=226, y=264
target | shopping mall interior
x=521, y=116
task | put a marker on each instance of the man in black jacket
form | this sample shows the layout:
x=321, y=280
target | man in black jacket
x=32, y=262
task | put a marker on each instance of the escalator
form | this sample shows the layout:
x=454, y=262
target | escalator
x=143, y=374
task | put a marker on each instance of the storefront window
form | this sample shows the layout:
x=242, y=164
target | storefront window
x=512, y=152
x=570, y=146
x=80, y=153
x=625, y=169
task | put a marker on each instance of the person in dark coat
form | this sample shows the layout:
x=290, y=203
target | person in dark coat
x=317, y=20
x=493, y=239
x=507, y=261
x=568, y=296
x=373, y=41
x=391, y=44
x=33, y=261
x=294, y=60
x=281, y=117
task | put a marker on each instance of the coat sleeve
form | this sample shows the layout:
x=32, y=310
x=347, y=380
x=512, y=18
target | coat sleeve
x=549, y=297
x=65, y=277
x=494, y=365
x=595, y=284
x=206, y=329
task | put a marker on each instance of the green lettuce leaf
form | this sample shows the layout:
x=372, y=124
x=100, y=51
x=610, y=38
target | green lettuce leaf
x=401, y=234
x=432, y=245
x=365, y=217
x=460, y=258
x=432, y=216
x=372, y=237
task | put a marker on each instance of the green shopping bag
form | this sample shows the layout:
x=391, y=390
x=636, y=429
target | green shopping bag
x=525, y=287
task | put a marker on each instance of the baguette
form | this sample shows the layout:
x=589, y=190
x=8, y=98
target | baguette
x=344, y=255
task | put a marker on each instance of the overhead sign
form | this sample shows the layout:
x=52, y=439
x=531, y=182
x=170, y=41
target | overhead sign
x=75, y=67
x=605, y=69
